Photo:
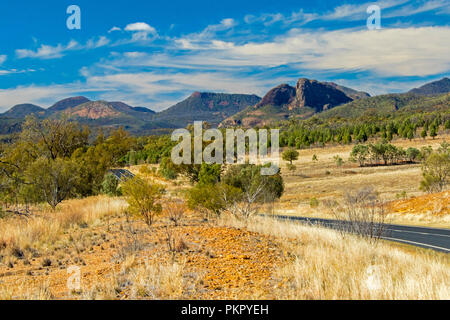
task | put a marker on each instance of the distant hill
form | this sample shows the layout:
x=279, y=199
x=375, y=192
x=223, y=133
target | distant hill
x=303, y=101
x=144, y=109
x=117, y=114
x=352, y=93
x=67, y=104
x=205, y=106
x=325, y=100
x=388, y=104
x=433, y=88
x=23, y=110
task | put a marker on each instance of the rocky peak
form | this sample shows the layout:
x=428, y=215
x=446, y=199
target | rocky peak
x=317, y=95
x=282, y=95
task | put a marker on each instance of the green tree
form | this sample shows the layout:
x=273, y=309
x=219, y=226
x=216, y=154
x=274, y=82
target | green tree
x=52, y=180
x=436, y=171
x=209, y=174
x=290, y=155
x=360, y=153
x=433, y=131
x=447, y=125
x=412, y=154
x=424, y=133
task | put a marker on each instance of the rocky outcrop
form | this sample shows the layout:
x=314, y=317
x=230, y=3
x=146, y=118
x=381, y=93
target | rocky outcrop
x=282, y=95
x=317, y=95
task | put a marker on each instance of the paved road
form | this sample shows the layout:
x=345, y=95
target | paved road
x=430, y=238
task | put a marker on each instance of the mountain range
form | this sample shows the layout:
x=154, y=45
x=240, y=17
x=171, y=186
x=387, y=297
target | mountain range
x=307, y=98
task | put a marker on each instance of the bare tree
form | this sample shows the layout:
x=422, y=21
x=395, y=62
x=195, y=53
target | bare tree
x=362, y=213
x=245, y=203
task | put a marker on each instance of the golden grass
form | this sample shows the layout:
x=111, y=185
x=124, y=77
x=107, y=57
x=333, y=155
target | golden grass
x=324, y=180
x=324, y=265
x=147, y=280
x=40, y=292
x=46, y=227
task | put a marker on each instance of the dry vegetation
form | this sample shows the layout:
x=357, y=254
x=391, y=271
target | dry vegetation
x=324, y=181
x=181, y=256
x=323, y=265
x=226, y=259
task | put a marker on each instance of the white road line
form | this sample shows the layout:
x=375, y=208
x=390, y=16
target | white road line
x=416, y=243
x=427, y=234
x=335, y=223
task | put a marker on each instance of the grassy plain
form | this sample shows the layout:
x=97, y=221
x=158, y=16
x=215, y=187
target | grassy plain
x=323, y=180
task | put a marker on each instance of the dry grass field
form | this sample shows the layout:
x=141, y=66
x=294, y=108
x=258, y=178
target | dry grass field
x=120, y=257
x=217, y=259
x=324, y=180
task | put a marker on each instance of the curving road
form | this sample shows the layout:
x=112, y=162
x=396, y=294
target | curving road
x=429, y=238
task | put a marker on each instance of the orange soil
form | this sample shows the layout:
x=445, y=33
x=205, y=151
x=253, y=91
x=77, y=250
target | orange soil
x=231, y=263
x=436, y=204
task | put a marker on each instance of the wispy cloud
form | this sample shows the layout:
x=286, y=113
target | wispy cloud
x=113, y=29
x=400, y=52
x=53, y=52
x=40, y=95
x=47, y=51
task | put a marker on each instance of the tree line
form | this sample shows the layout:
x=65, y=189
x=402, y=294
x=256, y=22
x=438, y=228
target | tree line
x=54, y=159
x=385, y=153
x=318, y=132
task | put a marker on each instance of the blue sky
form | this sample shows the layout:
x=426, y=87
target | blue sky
x=156, y=53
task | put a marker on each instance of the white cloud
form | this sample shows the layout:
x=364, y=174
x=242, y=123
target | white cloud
x=353, y=12
x=141, y=31
x=58, y=51
x=40, y=95
x=140, y=26
x=399, y=52
x=3, y=58
x=47, y=51
x=412, y=9
x=114, y=29
x=101, y=42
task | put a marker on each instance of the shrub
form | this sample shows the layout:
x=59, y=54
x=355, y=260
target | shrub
x=175, y=211
x=338, y=160
x=143, y=198
x=110, y=186
x=209, y=173
x=313, y=203
x=436, y=172
x=168, y=169
x=363, y=214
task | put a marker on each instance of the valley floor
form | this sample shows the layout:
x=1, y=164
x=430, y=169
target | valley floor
x=324, y=181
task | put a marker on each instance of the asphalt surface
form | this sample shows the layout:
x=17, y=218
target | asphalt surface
x=429, y=238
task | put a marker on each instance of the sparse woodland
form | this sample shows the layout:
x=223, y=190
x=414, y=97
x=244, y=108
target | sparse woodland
x=193, y=231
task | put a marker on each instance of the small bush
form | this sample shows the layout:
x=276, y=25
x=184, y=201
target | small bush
x=110, y=186
x=314, y=203
x=144, y=198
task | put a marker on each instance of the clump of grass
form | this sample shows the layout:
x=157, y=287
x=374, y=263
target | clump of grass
x=148, y=280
